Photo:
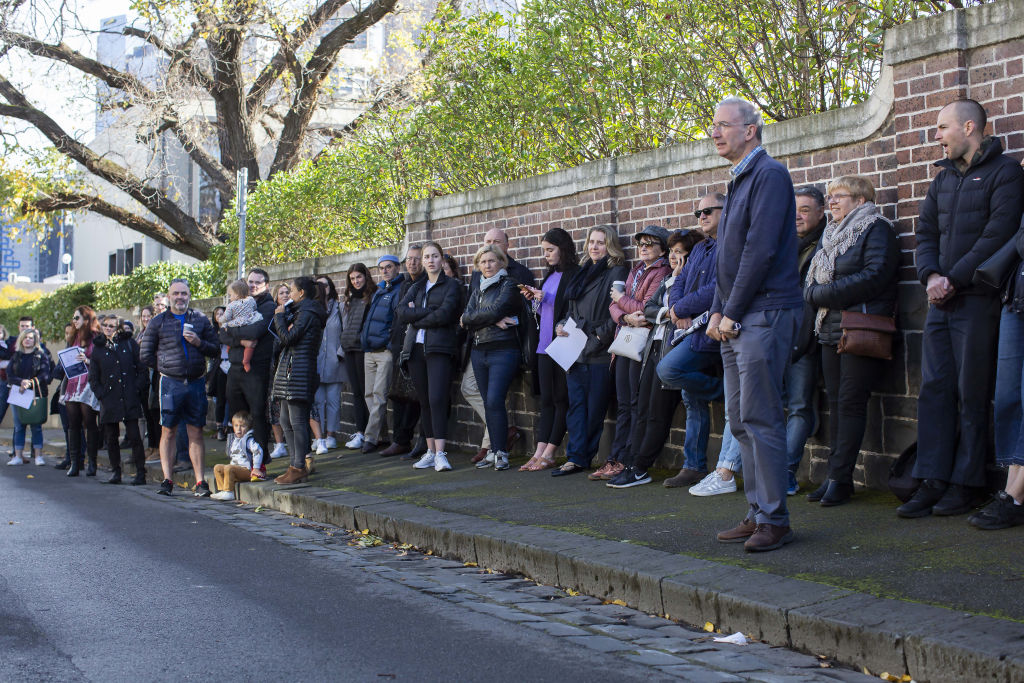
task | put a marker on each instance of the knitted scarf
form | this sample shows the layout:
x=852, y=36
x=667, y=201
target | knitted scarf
x=486, y=282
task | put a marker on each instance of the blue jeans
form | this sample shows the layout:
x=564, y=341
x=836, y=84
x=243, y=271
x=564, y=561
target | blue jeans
x=19, y=434
x=729, y=457
x=589, y=391
x=1008, y=399
x=687, y=369
x=494, y=371
x=800, y=384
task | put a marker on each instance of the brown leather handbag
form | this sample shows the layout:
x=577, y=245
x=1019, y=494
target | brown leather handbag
x=867, y=334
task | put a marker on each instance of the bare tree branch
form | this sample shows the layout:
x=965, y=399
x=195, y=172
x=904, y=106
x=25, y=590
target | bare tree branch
x=180, y=55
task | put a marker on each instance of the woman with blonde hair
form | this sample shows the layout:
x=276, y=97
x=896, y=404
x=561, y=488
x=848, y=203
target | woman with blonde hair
x=29, y=369
x=589, y=378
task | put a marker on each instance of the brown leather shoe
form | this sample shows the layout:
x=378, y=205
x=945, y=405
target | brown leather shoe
x=395, y=449
x=293, y=475
x=738, y=533
x=512, y=437
x=686, y=477
x=768, y=537
x=480, y=455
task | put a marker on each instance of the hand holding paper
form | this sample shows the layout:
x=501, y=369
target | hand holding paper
x=566, y=350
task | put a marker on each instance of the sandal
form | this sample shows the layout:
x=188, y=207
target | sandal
x=530, y=465
x=544, y=463
x=568, y=468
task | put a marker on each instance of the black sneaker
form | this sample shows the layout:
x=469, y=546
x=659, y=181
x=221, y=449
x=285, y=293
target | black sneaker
x=628, y=477
x=202, y=490
x=1001, y=513
x=166, y=486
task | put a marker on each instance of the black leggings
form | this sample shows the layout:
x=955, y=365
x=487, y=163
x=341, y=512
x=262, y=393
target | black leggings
x=848, y=382
x=152, y=426
x=655, y=409
x=357, y=385
x=432, y=376
x=112, y=430
x=554, y=401
x=82, y=416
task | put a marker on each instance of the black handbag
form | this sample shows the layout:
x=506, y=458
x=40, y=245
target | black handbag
x=998, y=267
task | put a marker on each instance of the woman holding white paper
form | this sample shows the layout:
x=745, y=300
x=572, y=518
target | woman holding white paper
x=589, y=378
x=81, y=403
x=29, y=370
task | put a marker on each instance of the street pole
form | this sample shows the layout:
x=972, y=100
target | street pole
x=242, y=194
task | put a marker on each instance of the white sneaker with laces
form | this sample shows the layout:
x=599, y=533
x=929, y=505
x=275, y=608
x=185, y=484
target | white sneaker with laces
x=713, y=485
x=16, y=460
x=321, y=446
x=330, y=442
x=40, y=462
x=426, y=462
x=441, y=463
x=356, y=441
x=280, y=450
x=223, y=495
x=488, y=461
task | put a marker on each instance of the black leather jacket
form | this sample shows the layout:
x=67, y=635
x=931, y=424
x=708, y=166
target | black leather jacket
x=865, y=281
x=486, y=308
x=435, y=311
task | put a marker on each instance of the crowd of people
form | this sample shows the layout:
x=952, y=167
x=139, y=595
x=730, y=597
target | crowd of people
x=776, y=288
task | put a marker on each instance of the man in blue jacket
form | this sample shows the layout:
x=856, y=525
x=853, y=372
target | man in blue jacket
x=375, y=339
x=755, y=314
x=176, y=343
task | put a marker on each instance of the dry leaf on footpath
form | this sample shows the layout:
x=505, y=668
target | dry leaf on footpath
x=620, y=603
x=470, y=564
x=709, y=627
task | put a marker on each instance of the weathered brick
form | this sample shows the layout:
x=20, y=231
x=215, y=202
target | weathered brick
x=925, y=84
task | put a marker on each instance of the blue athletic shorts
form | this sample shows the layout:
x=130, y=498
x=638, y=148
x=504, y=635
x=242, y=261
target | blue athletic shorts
x=182, y=401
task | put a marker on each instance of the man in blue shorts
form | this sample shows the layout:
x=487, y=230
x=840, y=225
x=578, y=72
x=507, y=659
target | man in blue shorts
x=176, y=343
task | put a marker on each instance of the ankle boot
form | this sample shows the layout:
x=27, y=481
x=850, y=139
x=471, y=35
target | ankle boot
x=76, y=466
x=836, y=494
x=116, y=479
x=91, y=470
x=140, y=477
x=64, y=464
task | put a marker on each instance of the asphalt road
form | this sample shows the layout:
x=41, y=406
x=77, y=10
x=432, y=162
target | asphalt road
x=109, y=583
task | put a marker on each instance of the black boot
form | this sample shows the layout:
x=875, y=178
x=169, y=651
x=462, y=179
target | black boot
x=140, y=477
x=837, y=494
x=139, y=458
x=76, y=466
x=116, y=479
x=91, y=470
x=957, y=500
x=927, y=495
x=63, y=464
x=817, y=494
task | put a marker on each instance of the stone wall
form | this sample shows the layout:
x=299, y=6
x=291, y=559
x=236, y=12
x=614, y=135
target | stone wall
x=978, y=52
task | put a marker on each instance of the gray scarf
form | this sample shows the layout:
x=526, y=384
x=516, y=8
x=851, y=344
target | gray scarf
x=486, y=282
x=835, y=241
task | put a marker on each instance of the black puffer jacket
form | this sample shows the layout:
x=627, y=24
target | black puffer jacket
x=161, y=346
x=119, y=380
x=263, y=355
x=865, y=281
x=299, y=330
x=352, y=324
x=485, y=308
x=436, y=312
x=590, y=311
x=966, y=217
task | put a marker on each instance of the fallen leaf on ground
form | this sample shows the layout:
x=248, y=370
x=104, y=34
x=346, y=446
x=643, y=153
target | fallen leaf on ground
x=30, y=476
x=709, y=627
x=616, y=601
x=259, y=508
x=470, y=564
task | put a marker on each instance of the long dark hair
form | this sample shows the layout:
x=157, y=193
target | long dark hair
x=350, y=291
x=90, y=327
x=566, y=248
x=308, y=286
x=332, y=291
x=213, y=318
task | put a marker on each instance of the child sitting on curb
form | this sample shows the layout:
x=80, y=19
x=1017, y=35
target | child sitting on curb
x=246, y=458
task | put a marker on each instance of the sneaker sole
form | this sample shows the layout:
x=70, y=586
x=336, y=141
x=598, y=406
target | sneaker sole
x=629, y=484
x=717, y=492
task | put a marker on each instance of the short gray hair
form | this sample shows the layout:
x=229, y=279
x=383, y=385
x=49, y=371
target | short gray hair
x=749, y=112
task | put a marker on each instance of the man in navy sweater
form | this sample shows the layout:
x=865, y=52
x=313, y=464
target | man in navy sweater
x=756, y=313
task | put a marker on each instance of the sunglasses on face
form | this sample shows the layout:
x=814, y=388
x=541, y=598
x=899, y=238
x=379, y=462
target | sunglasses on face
x=645, y=243
x=706, y=212
x=76, y=317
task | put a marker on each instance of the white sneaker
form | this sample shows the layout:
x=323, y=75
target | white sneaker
x=501, y=460
x=488, y=461
x=280, y=450
x=441, y=463
x=356, y=441
x=330, y=443
x=223, y=495
x=713, y=485
x=40, y=462
x=426, y=462
x=321, y=446
x=16, y=460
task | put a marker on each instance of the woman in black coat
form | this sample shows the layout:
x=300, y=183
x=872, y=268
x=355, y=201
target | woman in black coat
x=121, y=383
x=551, y=305
x=493, y=315
x=589, y=379
x=853, y=269
x=431, y=310
x=298, y=326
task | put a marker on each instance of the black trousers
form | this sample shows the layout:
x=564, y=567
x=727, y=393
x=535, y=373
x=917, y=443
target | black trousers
x=152, y=426
x=958, y=354
x=627, y=378
x=655, y=409
x=81, y=416
x=431, y=374
x=554, y=401
x=248, y=391
x=357, y=385
x=848, y=383
x=111, y=432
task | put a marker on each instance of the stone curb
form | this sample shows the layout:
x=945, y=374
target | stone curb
x=930, y=643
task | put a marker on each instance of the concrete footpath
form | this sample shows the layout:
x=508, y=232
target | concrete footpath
x=932, y=598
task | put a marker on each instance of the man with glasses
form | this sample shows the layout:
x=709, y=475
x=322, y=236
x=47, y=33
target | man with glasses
x=177, y=343
x=375, y=338
x=756, y=312
x=801, y=379
x=247, y=390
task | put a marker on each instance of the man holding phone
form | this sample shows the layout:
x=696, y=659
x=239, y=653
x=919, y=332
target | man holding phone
x=176, y=343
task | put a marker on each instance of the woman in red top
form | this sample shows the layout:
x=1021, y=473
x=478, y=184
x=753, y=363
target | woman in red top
x=78, y=398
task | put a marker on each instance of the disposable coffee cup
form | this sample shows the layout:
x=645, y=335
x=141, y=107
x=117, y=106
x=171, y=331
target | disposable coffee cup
x=619, y=285
x=187, y=327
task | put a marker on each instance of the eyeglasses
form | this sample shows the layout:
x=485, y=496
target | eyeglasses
x=722, y=125
x=834, y=198
x=706, y=212
x=646, y=243
x=76, y=317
